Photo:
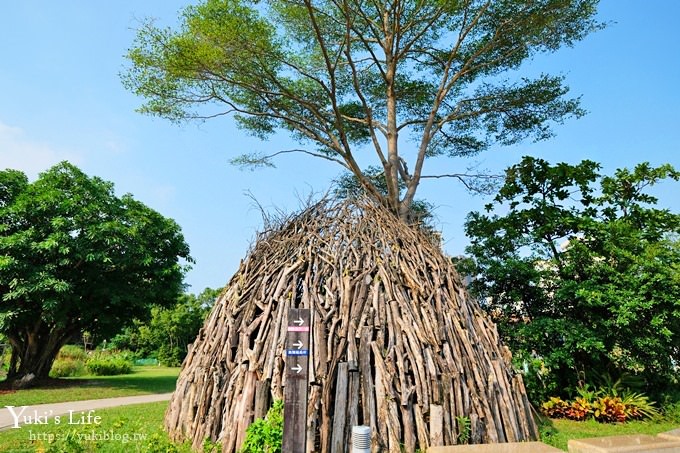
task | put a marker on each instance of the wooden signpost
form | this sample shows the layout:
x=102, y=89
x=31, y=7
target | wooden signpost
x=295, y=392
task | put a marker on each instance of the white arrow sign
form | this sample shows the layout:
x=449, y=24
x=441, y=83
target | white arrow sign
x=298, y=344
x=297, y=368
x=299, y=322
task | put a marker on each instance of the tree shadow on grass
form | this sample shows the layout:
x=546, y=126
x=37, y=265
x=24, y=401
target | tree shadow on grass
x=135, y=381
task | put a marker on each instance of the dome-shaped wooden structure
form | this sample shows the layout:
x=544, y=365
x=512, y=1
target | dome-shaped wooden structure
x=419, y=361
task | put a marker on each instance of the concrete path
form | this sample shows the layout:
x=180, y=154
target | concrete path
x=78, y=410
x=511, y=447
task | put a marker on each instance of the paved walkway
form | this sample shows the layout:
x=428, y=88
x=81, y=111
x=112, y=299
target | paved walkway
x=8, y=417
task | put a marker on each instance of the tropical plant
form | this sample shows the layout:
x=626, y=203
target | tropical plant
x=579, y=409
x=609, y=409
x=638, y=406
x=610, y=403
x=555, y=407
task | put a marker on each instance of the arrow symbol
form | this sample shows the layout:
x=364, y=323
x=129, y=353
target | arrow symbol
x=299, y=322
x=297, y=368
x=298, y=344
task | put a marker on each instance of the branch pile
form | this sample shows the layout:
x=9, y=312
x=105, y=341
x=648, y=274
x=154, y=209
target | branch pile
x=396, y=343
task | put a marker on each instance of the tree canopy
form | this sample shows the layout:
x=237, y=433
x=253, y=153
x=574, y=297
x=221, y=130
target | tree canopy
x=581, y=271
x=400, y=81
x=74, y=257
x=169, y=331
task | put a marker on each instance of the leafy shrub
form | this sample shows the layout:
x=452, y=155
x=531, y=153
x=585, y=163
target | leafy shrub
x=609, y=409
x=210, y=446
x=108, y=364
x=617, y=387
x=638, y=406
x=579, y=409
x=265, y=435
x=121, y=353
x=616, y=396
x=171, y=355
x=70, y=362
x=538, y=380
x=671, y=411
x=604, y=407
x=71, y=351
x=159, y=444
x=555, y=407
x=464, y=429
x=67, y=368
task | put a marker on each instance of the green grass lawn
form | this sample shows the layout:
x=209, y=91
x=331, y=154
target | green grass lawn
x=558, y=432
x=125, y=429
x=137, y=428
x=143, y=380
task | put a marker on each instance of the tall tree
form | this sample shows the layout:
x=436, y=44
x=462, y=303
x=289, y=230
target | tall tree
x=75, y=257
x=583, y=275
x=406, y=80
x=170, y=330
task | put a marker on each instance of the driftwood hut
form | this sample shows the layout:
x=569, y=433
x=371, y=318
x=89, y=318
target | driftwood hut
x=396, y=343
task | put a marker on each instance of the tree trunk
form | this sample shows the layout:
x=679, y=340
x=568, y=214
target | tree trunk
x=38, y=365
x=14, y=359
x=34, y=352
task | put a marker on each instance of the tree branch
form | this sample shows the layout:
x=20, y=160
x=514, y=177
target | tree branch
x=245, y=160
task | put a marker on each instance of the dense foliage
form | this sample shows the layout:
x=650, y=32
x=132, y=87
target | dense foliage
x=581, y=273
x=108, y=363
x=168, y=333
x=70, y=362
x=400, y=80
x=75, y=257
x=265, y=435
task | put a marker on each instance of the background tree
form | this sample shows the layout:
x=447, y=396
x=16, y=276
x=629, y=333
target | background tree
x=584, y=278
x=75, y=257
x=169, y=331
x=404, y=80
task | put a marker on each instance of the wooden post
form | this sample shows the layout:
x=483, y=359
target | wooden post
x=295, y=392
x=338, y=438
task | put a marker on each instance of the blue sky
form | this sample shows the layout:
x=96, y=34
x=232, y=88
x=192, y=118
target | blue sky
x=61, y=99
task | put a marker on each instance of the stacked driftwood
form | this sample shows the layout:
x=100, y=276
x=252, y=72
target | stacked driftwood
x=395, y=343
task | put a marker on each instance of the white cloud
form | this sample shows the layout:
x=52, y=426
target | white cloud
x=19, y=152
